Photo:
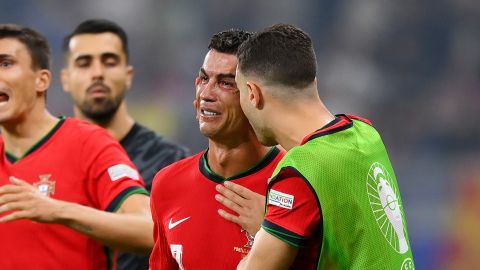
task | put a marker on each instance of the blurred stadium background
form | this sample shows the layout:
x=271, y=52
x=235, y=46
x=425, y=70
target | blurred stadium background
x=412, y=67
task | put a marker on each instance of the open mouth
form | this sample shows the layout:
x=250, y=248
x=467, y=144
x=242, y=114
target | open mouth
x=208, y=112
x=4, y=97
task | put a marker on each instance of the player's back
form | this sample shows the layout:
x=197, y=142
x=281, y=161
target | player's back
x=363, y=222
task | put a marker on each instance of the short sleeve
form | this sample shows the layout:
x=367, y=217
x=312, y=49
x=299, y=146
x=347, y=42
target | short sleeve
x=293, y=211
x=111, y=176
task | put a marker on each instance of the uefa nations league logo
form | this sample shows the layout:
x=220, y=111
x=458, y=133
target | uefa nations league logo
x=384, y=199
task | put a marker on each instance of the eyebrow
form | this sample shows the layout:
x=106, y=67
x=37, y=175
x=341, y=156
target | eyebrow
x=83, y=56
x=102, y=56
x=5, y=56
x=109, y=55
x=219, y=76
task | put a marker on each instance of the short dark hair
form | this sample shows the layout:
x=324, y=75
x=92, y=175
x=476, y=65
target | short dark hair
x=98, y=26
x=280, y=54
x=228, y=41
x=37, y=44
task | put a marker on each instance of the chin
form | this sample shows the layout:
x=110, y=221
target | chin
x=206, y=131
x=6, y=115
x=265, y=140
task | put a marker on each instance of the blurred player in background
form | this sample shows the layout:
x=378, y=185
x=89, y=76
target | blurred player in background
x=97, y=76
x=66, y=186
x=188, y=232
x=333, y=200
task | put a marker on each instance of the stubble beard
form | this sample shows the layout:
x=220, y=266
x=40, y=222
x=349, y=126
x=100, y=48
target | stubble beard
x=102, y=110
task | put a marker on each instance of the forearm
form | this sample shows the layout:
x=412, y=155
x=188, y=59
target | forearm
x=131, y=232
x=130, y=228
x=242, y=264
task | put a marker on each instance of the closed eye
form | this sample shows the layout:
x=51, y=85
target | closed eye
x=83, y=61
x=6, y=64
x=110, y=59
x=6, y=61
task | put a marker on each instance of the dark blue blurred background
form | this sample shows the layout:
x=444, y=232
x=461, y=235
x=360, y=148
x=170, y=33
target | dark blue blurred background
x=412, y=67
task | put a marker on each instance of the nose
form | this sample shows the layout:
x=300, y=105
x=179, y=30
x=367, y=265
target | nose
x=207, y=91
x=97, y=71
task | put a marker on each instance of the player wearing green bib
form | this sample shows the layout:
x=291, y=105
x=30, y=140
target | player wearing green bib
x=333, y=200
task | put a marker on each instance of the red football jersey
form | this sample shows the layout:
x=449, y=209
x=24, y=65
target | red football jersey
x=299, y=225
x=189, y=233
x=76, y=162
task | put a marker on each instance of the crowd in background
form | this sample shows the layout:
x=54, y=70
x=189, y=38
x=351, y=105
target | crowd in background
x=412, y=67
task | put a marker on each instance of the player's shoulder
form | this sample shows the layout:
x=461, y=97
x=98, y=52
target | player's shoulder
x=143, y=137
x=83, y=133
x=365, y=128
x=168, y=178
x=359, y=118
x=82, y=127
x=299, y=151
x=185, y=165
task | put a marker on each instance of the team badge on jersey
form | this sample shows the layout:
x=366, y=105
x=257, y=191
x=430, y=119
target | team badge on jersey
x=280, y=199
x=250, y=239
x=384, y=200
x=248, y=244
x=122, y=170
x=45, y=186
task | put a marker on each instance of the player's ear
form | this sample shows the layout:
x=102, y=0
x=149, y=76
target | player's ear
x=255, y=95
x=130, y=73
x=195, y=106
x=42, y=82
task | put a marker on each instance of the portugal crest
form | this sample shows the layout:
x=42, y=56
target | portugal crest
x=45, y=186
x=250, y=239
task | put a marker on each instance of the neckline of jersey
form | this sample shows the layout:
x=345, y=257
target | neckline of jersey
x=13, y=159
x=341, y=122
x=207, y=171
